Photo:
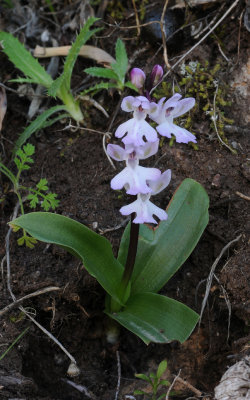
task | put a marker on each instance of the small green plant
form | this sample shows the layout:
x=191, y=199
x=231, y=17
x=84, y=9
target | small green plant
x=37, y=195
x=155, y=381
x=35, y=73
x=116, y=74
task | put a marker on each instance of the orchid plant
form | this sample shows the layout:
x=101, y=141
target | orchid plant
x=148, y=256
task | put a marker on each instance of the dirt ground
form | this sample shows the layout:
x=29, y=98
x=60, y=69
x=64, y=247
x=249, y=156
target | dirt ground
x=78, y=170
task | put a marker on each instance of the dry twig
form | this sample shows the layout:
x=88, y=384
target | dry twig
x=7, y=247
x=189, y=386
x=214, y=122
x=172, y=385
x=119, y=375
x=136, y=19
x=163, y=34
x=211, y=274
x=28, y=296
x=200, y=41
x=243, y=196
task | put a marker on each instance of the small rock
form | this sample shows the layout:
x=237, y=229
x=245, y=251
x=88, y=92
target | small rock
x=245, y=169
x=216, y=182
x=95, y=225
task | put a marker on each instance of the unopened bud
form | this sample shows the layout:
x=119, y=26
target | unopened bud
x=137, y=77
x=156, y=75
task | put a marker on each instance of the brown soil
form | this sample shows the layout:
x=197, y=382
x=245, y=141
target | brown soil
x=79, y=172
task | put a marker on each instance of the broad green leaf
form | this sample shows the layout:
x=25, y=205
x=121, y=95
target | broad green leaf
x=37, y=124
x=121, y=64
x=156, y=318
x=23, y=60
x=71, y=58
x=94, y=250
x=101, y=72
x=162, y=250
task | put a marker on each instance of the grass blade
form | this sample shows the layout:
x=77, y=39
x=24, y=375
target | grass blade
x=35, y=125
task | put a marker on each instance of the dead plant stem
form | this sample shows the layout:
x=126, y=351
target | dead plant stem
x=164, y=42
x=211, y=274
x=28, y=296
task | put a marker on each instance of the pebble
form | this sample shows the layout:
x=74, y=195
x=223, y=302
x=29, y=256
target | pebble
x=216, y=182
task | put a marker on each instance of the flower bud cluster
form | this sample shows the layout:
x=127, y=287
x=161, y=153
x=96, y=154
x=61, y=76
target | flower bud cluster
x=141, y=141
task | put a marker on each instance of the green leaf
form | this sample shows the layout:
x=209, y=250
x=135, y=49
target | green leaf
x=94, y=250
x=42, y=184
x=161, y=368
x=161, y=396
x=37, y=124
x=23, y=60
x=162, y=250
x=50, y=201
x=131, y=86
x=121, y=65
x=164, y=382
x=143, y=377
x=54, y=88
x=71, y=58
x=29, y=149
x=101, y=73
x=97, y=87
x=33, y=200
x=156, y=318
x=140, y=392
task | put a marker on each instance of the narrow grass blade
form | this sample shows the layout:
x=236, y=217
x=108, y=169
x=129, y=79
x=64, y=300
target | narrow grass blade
x=37, y=124
x=13, y=344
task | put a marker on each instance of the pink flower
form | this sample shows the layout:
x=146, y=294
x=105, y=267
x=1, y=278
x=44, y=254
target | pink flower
x=156, y=75
x=164, y=114
x=143, y=207
x=136, y=128
x=137, y=77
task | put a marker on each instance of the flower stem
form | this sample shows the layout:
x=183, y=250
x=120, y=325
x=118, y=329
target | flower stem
x=132, y=250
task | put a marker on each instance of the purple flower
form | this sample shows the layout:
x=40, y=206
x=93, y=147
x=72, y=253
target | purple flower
x=166, y=112
x=136, y=128
x=143, y=207
x=137, y=77
x=119, y=153
x=156, y=75
x=134, y=178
